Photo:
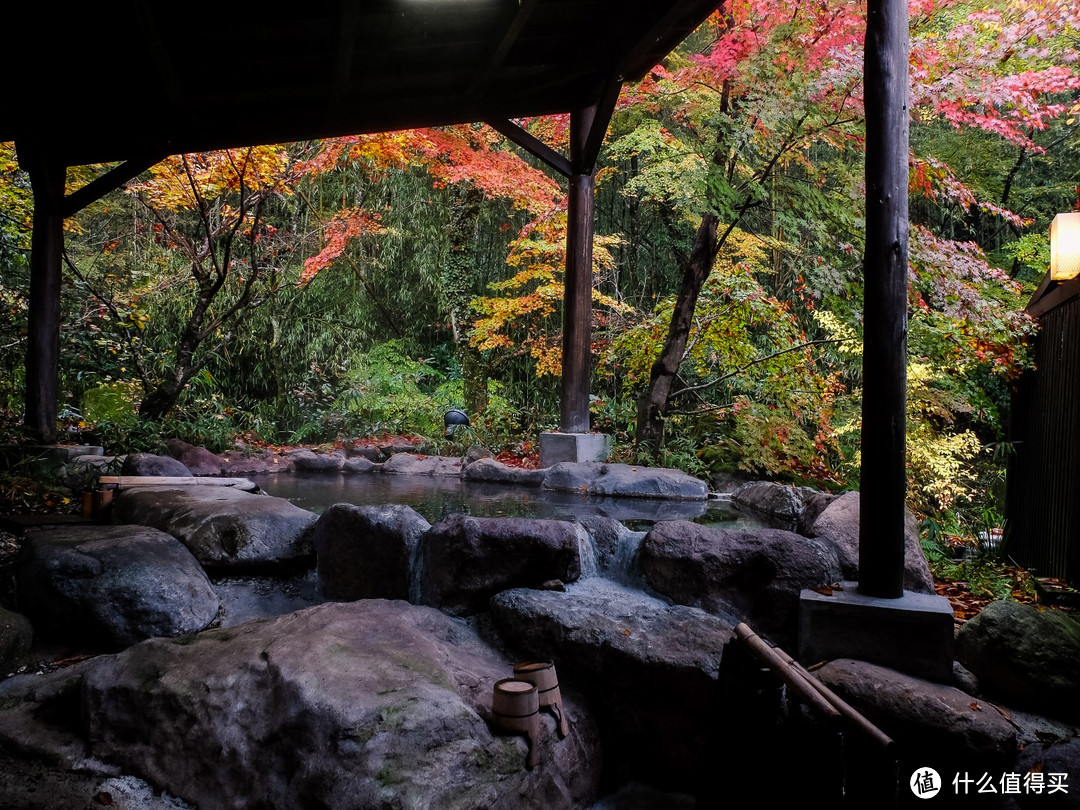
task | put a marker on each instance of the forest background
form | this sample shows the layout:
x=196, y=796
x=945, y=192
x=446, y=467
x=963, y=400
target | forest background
x=310, y=292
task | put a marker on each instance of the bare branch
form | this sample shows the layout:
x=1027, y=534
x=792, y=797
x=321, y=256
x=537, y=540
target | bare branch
x=758, y=361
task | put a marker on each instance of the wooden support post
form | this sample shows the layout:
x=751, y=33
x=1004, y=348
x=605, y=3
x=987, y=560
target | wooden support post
x=577, y=296
x=46, y=254
x=883, y=483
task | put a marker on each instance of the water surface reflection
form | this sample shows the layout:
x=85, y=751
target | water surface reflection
x=435, y=497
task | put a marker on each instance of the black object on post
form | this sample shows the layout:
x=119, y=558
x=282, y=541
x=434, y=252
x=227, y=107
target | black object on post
x=453, y=419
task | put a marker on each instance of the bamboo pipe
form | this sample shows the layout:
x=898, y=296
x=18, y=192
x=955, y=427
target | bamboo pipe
x=795, y=680
x=808, y=687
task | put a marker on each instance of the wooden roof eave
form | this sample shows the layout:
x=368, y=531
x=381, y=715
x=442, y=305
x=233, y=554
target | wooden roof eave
x=1051, y=294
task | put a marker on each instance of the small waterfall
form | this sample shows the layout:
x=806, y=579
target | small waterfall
x=586, y=553
x=623, y=565
x=416, y=573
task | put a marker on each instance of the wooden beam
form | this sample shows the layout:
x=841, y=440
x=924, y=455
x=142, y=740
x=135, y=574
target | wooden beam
x=533, y=145
x=517, y=25
x=156, y=51
x=47, y=176
x=602, y=111
x=110, y=181
x=346, y=47
x=678, y=21
x=883, y=473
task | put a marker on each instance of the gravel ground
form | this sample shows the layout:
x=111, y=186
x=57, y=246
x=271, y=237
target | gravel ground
x=9, y=548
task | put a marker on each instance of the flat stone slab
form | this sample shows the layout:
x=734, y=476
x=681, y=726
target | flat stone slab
x=222, y=527
x=625, y=481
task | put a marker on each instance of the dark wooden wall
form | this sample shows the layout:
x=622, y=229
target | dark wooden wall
x=1042, y=529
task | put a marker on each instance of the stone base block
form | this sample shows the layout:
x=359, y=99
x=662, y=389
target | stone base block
x=912, y=634
x=576, y=447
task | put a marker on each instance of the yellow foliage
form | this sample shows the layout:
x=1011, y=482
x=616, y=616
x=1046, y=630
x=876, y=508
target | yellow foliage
x=941, y=464
x=182, y=181
x=837, y=330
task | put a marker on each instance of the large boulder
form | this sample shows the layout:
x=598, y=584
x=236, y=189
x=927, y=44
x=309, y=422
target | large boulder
x=1026, y=656
x=309, y=461
x=624, y=480
x=839, y=522
x=242, y=461
x=467, y=560
x=408, y=463
x=368, y=451
x=492, y=471
x=401, y=444
x=16, y=636
x=198, y=460
x=932, y=722
x=755, y=574
x=150, y=464
x=795, y=507
x=114, y=584
x=367, y=552
x=649, y=668
x=356, y=465
x=223, y=527
x=40, y=721
x=361, y=704
x=1056, y=759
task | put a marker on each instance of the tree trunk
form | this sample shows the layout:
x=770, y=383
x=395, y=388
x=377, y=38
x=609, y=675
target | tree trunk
x=654, y=402
x=459, y=276
x=161, y=400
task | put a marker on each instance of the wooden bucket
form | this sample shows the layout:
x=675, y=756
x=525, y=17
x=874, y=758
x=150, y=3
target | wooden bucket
x=515, y=706
x=94, y=503
x=103, y=499
x=542, y=674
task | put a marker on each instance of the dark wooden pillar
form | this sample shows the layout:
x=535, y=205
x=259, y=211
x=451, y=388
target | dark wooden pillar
x=883, y=483
x=46, y=249
x=577, y=298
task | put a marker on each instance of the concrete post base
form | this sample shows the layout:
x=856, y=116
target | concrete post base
x=576, y=447
x=912, y=634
